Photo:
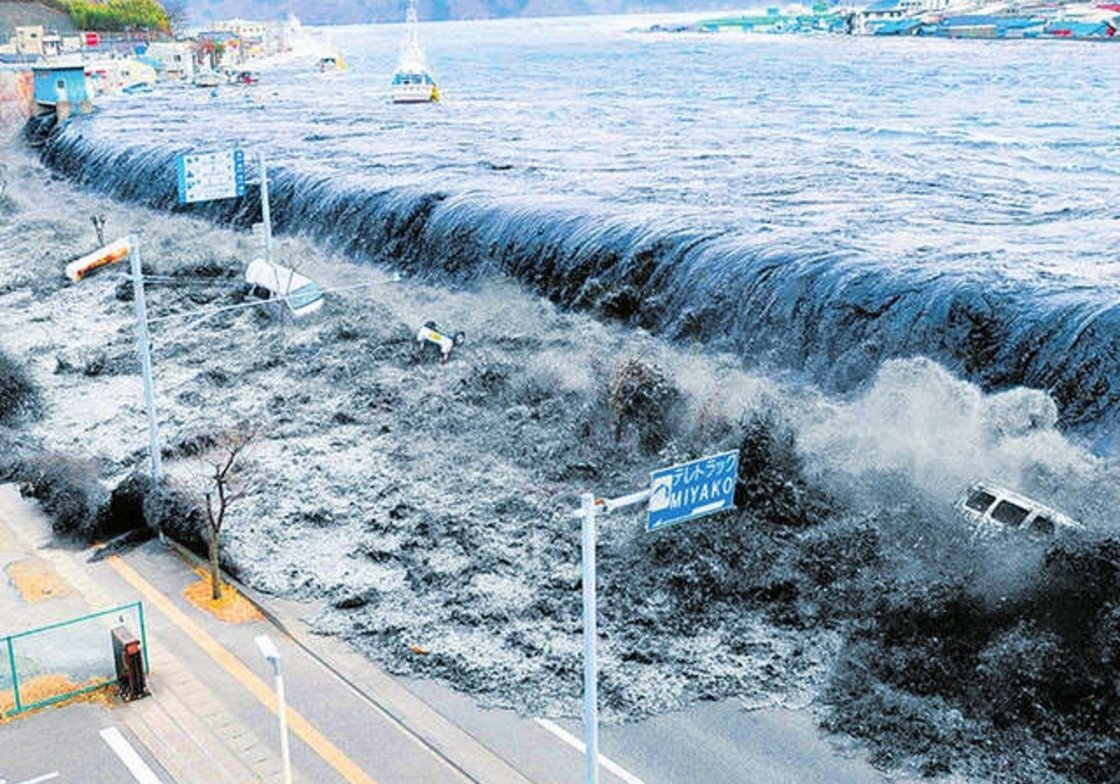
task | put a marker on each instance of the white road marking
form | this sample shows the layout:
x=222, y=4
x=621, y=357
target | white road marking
x=37, y=779
x=123, y=749
x=579, y=746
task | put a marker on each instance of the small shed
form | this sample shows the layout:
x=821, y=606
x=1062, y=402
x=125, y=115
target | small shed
x=62, y=89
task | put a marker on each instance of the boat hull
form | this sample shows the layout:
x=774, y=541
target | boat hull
x=421, y=93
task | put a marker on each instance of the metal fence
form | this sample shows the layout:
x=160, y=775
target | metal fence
x=62, y=660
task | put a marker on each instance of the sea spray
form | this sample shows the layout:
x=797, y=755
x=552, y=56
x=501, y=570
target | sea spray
x=819, y=308
x=427, y=504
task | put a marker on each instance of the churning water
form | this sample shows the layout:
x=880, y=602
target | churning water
x=817, y=204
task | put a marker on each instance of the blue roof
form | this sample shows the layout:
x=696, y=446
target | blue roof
x=882, y=5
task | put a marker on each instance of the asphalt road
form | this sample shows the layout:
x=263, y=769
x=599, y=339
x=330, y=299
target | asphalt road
x=714, y=743
x=66, y=746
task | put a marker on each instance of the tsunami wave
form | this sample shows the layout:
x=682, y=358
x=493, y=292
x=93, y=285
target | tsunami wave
x=816, y=308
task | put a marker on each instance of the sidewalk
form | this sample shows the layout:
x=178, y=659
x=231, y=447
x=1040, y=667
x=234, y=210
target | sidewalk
x=212, y=714
x=184, y=726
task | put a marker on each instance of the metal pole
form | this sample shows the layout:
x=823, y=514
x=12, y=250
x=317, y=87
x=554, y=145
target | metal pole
x=590, y=638
x=144, y=638
x=266, y=212
x=15, y=677
x=145, y=356
x=285, y=753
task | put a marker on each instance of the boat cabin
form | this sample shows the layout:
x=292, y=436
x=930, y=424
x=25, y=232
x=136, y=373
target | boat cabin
x=401, y=78
x=993, y=510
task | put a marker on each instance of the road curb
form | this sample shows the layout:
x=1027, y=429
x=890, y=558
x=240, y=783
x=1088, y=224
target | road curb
x=506, y=774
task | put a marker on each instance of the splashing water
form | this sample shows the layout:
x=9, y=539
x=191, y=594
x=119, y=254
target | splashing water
x=818, y=204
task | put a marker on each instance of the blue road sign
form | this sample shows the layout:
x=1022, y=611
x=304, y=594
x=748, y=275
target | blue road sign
x=210, y=175
x=690, y=490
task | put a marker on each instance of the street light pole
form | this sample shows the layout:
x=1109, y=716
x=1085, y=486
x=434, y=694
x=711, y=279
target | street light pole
x=269, y=651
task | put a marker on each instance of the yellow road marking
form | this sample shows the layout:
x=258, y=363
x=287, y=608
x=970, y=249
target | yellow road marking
x=330, y=753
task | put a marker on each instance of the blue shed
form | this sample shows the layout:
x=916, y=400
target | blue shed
x=62, y=88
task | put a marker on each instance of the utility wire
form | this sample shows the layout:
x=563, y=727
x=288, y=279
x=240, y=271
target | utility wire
x=204, y=314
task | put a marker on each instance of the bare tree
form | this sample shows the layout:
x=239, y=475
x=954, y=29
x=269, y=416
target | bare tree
x=228, y=478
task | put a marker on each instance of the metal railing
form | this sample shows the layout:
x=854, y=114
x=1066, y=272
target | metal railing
x=52, y=663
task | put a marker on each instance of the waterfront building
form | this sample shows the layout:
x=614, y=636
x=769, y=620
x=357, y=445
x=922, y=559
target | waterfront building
x=61, y=89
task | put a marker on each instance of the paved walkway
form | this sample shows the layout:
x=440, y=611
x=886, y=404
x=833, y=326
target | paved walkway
x=212, y=716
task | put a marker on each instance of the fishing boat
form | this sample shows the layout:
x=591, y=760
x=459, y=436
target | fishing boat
x=412, y=81
x=330, y=63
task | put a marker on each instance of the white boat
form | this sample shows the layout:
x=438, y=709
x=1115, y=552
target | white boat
x=302, y=295
x=413, y=82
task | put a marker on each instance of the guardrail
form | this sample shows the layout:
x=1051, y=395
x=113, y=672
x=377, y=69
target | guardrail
x=53, y=663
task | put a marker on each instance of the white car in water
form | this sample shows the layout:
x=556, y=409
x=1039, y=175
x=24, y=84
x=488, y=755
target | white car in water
x=993, y=510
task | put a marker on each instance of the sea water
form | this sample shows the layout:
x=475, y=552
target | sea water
x=813, y=203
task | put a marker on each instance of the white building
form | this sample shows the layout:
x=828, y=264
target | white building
x=175, y=59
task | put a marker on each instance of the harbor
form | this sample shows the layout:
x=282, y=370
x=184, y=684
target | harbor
x=1033, y=19
x=49, y=66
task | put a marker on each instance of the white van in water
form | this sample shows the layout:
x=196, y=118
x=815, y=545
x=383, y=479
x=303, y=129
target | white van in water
x=301, y=293
x=993, y=509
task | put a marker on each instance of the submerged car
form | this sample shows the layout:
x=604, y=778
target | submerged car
x=992, y=510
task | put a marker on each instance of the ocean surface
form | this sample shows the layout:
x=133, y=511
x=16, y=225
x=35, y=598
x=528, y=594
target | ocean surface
x=814, y=204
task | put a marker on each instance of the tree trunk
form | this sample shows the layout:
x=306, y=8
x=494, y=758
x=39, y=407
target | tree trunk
x=215, y=573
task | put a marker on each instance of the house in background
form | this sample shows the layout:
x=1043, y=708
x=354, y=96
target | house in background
x=173, y=60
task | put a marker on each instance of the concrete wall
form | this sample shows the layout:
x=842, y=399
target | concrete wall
x=17, y=96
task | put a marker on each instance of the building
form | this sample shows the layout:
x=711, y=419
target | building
x=173, y=60
x=32, y=28
x=61, y=89
x=259, y=38
x=111, y=77
x=17, y=92
x=892, y=12
x=215, y=49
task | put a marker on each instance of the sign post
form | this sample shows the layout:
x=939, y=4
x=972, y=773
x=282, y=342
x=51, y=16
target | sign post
x=686, y=491
x=266, y=211
x=210, y=175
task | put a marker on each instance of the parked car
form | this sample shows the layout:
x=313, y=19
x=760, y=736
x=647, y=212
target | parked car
x=992, y=510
